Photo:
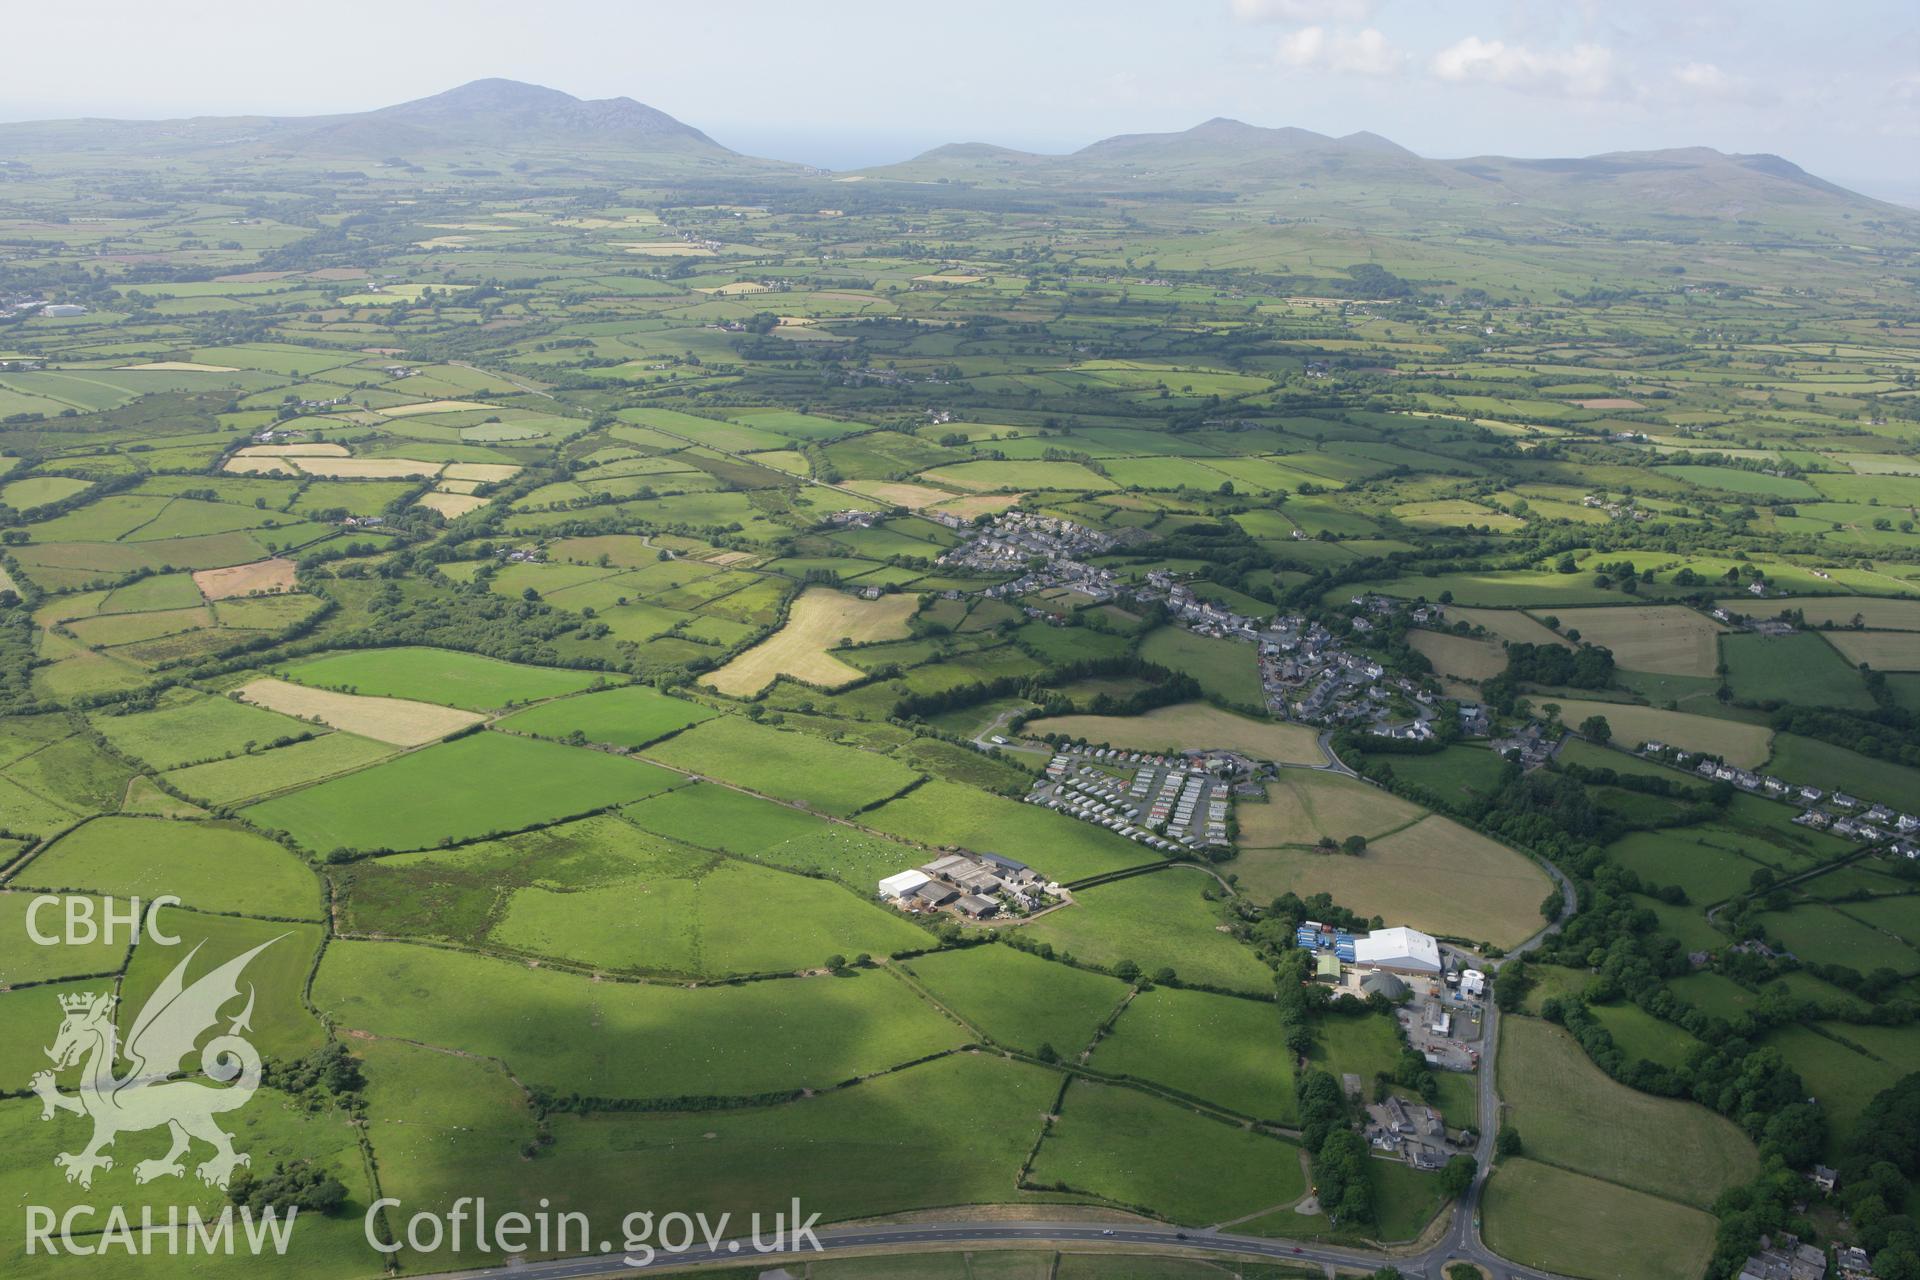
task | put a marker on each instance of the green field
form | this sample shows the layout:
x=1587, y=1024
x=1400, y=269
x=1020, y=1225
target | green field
x=1017, y=999
x=1225, y=669
x=1157, y=921
x=1623, y=1234
x=207, y=865
x=482, y=784
x=1219, y=1049
x=1800, y=669
x=1063, y=849
x=629, y=717
x=629, y=1040
x=1135, y=1151
x=786, y=765
x=435, y=675
x=1571, y=1115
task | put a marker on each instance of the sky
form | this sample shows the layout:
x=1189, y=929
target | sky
x=1834, y=87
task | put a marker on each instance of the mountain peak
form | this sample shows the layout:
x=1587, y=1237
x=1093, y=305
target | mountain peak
x=499, y=108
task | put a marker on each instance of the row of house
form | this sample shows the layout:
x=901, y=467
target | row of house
x=1838, y=813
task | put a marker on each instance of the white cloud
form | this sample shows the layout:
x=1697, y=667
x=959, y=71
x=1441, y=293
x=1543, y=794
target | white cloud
x=1302, y=10
x=1705, y=80
x=1582, y=71
x=1703, y=77
x=1361, y=53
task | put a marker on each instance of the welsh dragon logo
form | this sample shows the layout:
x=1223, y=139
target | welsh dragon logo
x=155, y=1091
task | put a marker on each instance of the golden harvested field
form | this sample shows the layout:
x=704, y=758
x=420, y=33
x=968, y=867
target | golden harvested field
x=1609, y=402
x=819, y=619
x=1508, y=624
x=244, y=579
x=485, y=472
x=240, y=466
x=367, y=468
x=1435, y=875
x=1744, y=745
x=1305, y=804
x=312, y=449
x=666, y=249
x=431, y=406
x=1881, y=650
x=979, y=504
x=1192, y=726
x=912, y=496
x=451, y=505
x=1887, y=615
x=182, y=366
x=1669, y=639
x=396, y=720
x=1460, y=656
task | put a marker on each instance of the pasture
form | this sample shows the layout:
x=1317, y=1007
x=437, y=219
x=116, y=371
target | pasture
x=1062, y=848
x=1543, y=1216
x=786, y=764
x=709, y=816
x=631, y=716
x=1801, y=669
x=1572, y=1115
x=1018, y=999
x=1157, y=920
x=478, y=785
x=632, y=1040
x=185, y=727
x=1135, y=1151
x=450, y=678
x=1226, y=669
x=1221, y=1049
x=212, y=866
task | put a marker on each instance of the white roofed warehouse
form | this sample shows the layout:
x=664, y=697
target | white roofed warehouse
x=1397, y=950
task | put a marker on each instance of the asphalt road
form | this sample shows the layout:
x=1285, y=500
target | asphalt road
x=937, y=1236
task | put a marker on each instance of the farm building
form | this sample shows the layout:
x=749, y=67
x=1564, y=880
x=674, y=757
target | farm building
x=903, y=885
x=976, y=906
x=1398, y=950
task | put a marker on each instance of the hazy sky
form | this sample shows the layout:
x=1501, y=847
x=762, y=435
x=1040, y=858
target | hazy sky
x=1832, y=86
